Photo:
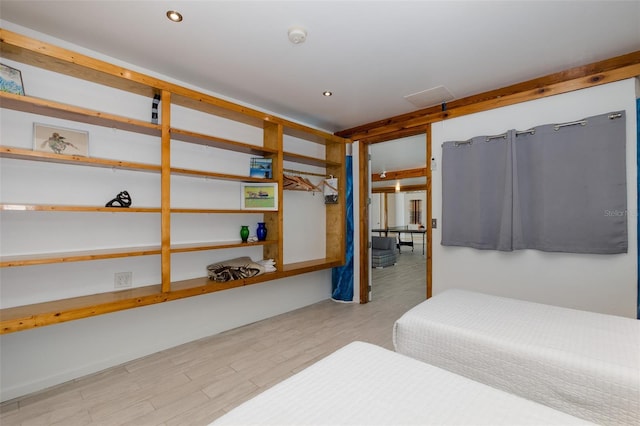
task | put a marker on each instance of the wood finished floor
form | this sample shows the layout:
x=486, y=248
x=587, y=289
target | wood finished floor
x=195, y=383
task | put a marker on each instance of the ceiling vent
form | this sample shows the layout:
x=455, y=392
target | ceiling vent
x=430, y=97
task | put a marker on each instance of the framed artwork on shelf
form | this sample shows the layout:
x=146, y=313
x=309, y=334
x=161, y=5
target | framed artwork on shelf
x=60, y=140
x=259, y=196
x=261, y=168
x=11, y=80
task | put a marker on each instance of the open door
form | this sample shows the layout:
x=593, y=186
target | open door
x=365, y=183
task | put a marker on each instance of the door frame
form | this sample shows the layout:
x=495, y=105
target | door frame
x=365, y=231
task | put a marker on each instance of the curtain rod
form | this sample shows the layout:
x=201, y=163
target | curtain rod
x=524, y=132
x=571, y=123
x=502, y=136
x=533, y=131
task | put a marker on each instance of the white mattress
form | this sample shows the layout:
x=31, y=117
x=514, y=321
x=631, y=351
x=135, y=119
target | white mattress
x=583, y=363
x=363, y=384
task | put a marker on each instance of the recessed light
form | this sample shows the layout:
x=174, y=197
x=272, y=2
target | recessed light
x=174, y=16
x=327, y=93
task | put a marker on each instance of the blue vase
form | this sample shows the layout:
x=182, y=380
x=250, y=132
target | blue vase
x=261, y=232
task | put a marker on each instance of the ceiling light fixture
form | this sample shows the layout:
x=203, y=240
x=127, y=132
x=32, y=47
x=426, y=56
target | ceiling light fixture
x=327, y=93
x=174, y=16
x=383, y=174
x=297, y=35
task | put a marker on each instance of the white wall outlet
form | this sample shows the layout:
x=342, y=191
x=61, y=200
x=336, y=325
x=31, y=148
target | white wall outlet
x=122, y=280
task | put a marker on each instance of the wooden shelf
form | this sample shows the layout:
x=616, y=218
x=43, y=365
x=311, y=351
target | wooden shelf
x=70, y=208
x=47, y=56
x=311, y=135
x=210, y=105
x=203, y=285
x=184, y=248
x=76, y=256
x=221, y=143
x=73, y=113
x=218, y=176
x=57, y=311
x=215, y=211
x=311, y=161
x=113, y=253
x=26, y=154
x=25, y=50
x=54, y=312
x=310, y=266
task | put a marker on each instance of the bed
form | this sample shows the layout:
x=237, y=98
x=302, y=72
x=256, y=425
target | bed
x=363, y=384
x=582, y=363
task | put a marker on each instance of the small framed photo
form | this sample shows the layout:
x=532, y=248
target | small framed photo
x=11, y=80
x=261, y=168
x=259, y=196
x=59, y=140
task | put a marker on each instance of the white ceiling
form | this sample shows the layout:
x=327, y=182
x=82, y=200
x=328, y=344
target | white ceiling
x=370, y=54
x=400, y=154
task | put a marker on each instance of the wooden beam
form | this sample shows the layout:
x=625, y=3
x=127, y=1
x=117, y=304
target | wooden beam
x=429, y=247
x=404, y=133
x=363, y=210
x=400, y=174
x=406, y=188
x=607, y=71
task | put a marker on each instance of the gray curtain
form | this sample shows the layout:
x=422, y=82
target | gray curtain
x=559, y=188
x=569, y=187
x=477, y=192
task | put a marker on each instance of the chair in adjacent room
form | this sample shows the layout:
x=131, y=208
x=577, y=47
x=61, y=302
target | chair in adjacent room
x=383, y=252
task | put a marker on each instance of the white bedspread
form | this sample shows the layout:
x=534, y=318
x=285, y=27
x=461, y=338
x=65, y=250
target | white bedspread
x=363, y=384
x=585, y=364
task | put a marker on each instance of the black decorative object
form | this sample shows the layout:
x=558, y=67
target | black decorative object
x=154, y=108
x=123, y=199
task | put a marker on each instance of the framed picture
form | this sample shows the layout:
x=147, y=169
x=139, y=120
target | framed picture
x=59, y=140
x=11, y=80
x=260, y=167
x=259, y=196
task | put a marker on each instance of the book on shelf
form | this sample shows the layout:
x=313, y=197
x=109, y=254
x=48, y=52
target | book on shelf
x=261, y=168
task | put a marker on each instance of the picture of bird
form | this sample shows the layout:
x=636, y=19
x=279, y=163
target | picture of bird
x=57, y=143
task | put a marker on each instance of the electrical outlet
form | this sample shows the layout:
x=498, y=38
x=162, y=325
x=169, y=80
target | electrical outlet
x=122, y=280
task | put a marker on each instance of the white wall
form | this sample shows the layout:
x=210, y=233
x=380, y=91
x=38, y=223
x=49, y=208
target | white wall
x=376, y=218
x=599, y=283
x=400, y=213
x=38, y=358
x=392, y=214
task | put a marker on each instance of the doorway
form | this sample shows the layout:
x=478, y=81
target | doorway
x=398, y=168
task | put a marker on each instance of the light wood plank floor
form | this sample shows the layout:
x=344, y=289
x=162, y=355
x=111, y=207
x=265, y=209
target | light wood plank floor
x=195, y=383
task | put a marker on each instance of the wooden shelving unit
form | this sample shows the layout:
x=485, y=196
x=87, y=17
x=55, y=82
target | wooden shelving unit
x=70, y=112
x=24, y=154
x=25, y=50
